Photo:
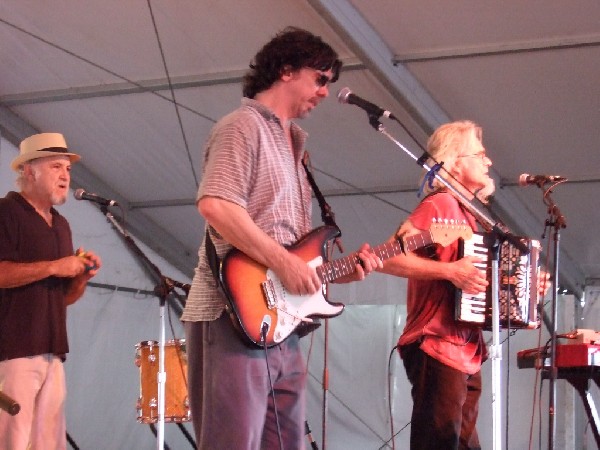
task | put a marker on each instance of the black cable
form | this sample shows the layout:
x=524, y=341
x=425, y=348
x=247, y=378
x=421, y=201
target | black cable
x=385, y=444
x=138, y=85
x=363, y=192
x=392, y=434
x=539, y=403
x=154, y=432
x=263, y=338
x=162, y=55
x=187, y=434
x=308, y=434
x=348, y=409
x=540, y=362
x=104, y=69
x=72, y=442
x=537, y=395
x=389, y=387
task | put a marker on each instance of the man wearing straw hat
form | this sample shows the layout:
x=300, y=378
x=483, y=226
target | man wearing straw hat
x=40, y=275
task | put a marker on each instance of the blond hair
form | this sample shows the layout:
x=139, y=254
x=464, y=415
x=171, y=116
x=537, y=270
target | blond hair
x=446, y=144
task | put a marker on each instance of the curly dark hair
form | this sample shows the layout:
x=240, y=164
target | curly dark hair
x=292, y=48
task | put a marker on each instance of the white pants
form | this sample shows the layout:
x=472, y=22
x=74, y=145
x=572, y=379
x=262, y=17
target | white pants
x=37, y=383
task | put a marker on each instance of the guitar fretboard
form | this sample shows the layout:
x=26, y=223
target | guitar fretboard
x=338, y=268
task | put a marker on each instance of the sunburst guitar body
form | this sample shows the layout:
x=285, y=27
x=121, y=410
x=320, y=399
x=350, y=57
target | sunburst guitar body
x=267, y=314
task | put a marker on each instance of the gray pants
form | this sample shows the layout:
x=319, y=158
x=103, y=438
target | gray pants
x=230, y=394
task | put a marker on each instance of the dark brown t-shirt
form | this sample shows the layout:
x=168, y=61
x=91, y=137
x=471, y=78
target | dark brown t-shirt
x=32, y=317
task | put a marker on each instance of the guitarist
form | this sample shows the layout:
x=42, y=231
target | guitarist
x=442, y=357
x=255, y=196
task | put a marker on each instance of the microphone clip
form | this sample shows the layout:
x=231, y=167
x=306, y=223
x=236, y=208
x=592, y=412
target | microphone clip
x=374, y=121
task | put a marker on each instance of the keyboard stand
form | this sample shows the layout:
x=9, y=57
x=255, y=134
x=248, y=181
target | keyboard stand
x=580, y=378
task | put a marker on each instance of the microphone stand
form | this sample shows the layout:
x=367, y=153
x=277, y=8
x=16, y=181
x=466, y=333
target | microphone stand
x=499, y=234
x=325, y=411
x=164, y=286
x=557, y=221
x=493, y=243
x=328, y=217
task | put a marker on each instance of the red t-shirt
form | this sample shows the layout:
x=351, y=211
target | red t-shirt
x=431, y=303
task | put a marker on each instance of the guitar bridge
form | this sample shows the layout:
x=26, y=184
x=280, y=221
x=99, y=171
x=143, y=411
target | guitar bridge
x=269, y=292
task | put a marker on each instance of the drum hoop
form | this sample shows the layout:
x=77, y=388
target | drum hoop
x=152, y=343
x=146, y=344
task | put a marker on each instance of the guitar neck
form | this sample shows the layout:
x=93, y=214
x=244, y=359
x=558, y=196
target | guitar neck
x=417, y=241
x=338, y=268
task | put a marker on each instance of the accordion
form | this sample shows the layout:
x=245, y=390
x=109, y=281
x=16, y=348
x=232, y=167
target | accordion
x=518, y=296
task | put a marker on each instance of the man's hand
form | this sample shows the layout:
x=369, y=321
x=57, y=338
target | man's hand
x=368, y=262
x=466, y=276
x=81, y=263
x=91, y=260
x=297, y=276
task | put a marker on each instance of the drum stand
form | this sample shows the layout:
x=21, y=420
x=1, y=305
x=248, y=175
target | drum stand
x=164, y=286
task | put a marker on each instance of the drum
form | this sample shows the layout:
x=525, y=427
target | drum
x=176, y=400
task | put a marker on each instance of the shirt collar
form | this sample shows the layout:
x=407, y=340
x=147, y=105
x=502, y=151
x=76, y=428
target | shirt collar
x=16, y=196
x=270, y=115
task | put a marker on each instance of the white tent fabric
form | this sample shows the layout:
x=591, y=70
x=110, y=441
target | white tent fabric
x=105, y=326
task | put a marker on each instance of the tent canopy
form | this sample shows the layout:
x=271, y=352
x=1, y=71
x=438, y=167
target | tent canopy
x=136, y=86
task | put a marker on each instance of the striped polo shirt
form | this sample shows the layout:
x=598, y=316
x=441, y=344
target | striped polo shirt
x=248, y=162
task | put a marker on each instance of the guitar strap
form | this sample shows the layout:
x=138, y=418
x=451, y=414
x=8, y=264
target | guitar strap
x=327, y=216
x=211, y=254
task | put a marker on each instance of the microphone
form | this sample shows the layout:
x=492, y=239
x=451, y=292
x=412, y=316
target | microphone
x=345, y=95
x=81, y=194
x=525, y=179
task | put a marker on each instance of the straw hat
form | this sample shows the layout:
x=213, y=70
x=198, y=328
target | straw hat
x=40, y=146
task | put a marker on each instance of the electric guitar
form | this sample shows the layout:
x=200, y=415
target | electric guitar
x=267, y=314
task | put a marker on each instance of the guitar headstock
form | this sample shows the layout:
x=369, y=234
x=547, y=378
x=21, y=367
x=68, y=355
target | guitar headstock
x=445, y=232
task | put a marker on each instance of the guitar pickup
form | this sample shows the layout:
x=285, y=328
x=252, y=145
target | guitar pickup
x=269, y=293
